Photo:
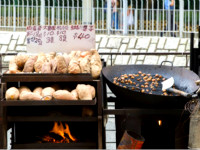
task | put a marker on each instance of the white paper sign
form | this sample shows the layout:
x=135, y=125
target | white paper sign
x=61, y=38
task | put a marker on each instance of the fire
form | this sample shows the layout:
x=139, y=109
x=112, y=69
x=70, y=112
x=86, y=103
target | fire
x=160, y=122
x=60, y=130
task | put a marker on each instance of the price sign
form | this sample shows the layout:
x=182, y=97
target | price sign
x=60, y=38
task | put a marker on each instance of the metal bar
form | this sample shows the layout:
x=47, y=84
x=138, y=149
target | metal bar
x=4, y=13
x=125, y=26
x=136, y=9
x=147, y=16
x=0, y=14
x=152, y=24
x=27, y=13
x=23, y=13
x=32, y=8
x=73, y=13
x=192, y=57
x=48, y=12
x=14, y=16
x=9, y=16
x=181, y=17
x=36, y=22
x=63, y=12
x=142, y=112
x=58, y=12
x=68, y=11
x=185, y=53
x=42, y=12
x=109, y=16
x=53, y=13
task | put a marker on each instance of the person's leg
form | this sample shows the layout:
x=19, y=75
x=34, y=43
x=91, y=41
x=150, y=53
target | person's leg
x=117, y=20
x=165, y=27
x=172, y=24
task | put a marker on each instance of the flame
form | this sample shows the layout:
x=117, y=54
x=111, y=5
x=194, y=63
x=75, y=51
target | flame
x=160, y=122
x=60, y=130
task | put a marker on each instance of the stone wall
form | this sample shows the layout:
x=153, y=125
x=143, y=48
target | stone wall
x=16, y=42
x=144, y=45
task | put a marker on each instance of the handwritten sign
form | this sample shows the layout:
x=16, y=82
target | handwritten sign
x=60, y=38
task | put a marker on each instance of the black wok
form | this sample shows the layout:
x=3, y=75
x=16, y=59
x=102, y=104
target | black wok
x=184, y=81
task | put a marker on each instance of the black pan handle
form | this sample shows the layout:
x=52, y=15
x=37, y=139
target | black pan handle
x=168, y=62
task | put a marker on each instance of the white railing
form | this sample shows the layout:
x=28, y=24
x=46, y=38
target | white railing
x=149, y=16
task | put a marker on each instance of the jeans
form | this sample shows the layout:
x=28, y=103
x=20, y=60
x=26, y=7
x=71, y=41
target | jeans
x=115, y=19
x=170, y=23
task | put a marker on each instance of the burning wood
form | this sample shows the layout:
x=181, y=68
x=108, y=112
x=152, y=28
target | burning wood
x=62, y=131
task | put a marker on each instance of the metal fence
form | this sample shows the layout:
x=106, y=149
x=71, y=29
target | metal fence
x=135, y=17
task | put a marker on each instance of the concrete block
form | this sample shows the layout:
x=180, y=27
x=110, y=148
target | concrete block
x=188, y=45
x=172, y=43
x=25, y=43
x=103, y=43
x=161, y=43
x=196, y=42
x=132, y=60
x=111, y=136
x=133, y=51
x=114, y=43
x=170, y=58
x=105, y=57
x=7, y=59
x=132, y=43
x=123, y=48
x=125, y=40
x=111, y=146
x=4, y=48
x=161, y=59
x=181, y=48
x=5, y=38
x=152, y=48
x=139, y=62
x=98, y=38
x=21, y=48
x=154, y=40
x=121, y=60
x=183, y=41
x=143, y=43
x=151, y=60
x=180, y=61
x=141, y=57
x=162, y=51
x=12, y=45
x=97, y=46
x=21, y=39
x=15, y=36
x=110, y=124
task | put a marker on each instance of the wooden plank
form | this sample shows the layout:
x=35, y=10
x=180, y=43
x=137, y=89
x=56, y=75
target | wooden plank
x=50, y=118
x=85, y=145
x=37, y=77
x=49, y=103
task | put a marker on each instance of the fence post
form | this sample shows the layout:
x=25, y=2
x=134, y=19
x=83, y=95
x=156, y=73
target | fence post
x=87, y=11
x=136, y=11
x=109, y=16
x=181, y=17
x=52, y=13
x=125, y=26
x=14, y=16
x=42, y=13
